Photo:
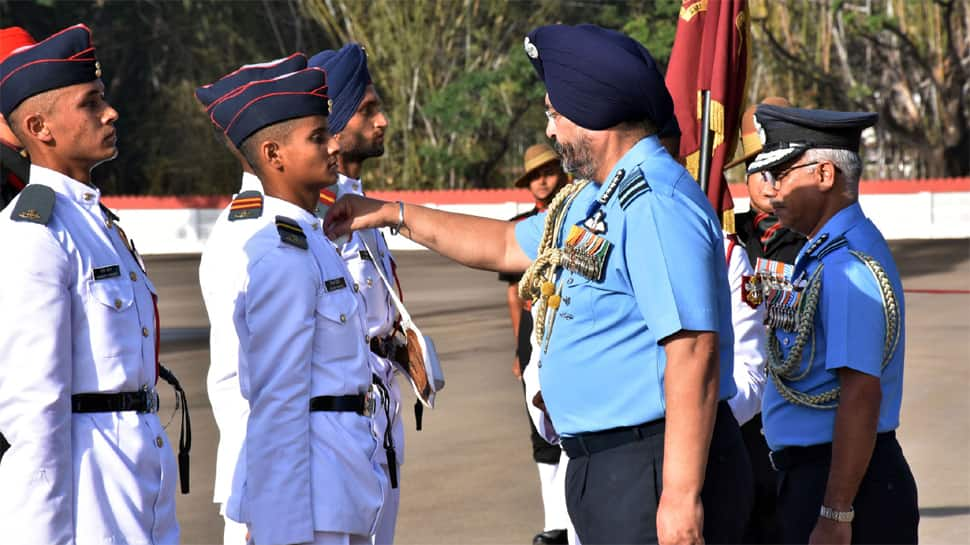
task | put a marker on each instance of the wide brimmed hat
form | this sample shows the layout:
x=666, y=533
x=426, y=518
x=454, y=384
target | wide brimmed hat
x=536, y=156
x=750, y=141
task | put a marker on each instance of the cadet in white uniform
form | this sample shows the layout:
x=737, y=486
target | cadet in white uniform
x=228, y=406
x=306, y=471
x=89, y=461
x=359, y=124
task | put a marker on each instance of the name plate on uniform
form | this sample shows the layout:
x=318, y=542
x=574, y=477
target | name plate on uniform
x=585, y=253
x=111, y=271
x=335, y=284
x=365, y=255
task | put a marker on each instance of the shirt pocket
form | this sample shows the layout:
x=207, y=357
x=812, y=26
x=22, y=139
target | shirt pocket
x=112, y=316
x=337, y=324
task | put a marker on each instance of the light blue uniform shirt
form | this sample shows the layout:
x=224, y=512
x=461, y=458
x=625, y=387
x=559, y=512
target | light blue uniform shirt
x=666, y=272
x=850, y=331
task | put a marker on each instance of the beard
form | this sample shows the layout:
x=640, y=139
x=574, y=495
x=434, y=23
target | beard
x=359, y=148
x=577, y=159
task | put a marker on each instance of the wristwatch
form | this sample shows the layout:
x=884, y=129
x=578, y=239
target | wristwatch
x=837, y=516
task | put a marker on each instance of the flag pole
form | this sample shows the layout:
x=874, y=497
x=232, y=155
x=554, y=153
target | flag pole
x=704, y=163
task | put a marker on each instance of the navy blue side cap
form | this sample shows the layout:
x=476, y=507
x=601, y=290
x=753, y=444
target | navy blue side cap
x=62, y=59
x=347, y=78
x=248, y=73
x=263, y=103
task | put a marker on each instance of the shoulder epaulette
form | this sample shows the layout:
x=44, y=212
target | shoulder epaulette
x=631, y=189
x=246, y=205
x=35, y=204
x=291, y=232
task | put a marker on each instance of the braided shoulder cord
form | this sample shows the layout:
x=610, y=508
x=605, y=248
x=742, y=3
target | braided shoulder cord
x=537, y=282
x=781, y=371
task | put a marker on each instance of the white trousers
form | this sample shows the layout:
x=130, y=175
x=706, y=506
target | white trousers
x=388, y=518
x=552, y=481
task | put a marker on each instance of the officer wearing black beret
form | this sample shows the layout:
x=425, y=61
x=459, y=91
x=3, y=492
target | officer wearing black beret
x=836, y=340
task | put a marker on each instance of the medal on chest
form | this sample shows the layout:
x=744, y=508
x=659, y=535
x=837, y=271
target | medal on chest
x=585, y=253
x=772, y=285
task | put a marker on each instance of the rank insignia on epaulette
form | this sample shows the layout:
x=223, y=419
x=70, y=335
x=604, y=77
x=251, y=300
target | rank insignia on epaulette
x=291, y=232
x=585, y=253
x=246, y=205
x=630, y=190
x=35, y=204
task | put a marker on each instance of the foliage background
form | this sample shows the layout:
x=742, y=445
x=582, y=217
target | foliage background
x=462, y=99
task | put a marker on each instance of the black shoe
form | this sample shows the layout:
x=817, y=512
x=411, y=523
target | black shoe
x=551, y=537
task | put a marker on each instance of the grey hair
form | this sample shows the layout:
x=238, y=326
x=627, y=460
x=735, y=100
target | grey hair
x=848, y=162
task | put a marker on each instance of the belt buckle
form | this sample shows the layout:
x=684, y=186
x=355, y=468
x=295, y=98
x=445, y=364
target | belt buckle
x=151, y=400
x=370, y=402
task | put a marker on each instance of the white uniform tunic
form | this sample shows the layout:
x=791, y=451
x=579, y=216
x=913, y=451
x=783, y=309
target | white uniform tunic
x=749, y=338
x=381, y=314
x=78, y=478
x=300, y=335
x=222, y=382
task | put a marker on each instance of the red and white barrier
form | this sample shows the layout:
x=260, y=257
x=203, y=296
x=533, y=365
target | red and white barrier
x=902, y=209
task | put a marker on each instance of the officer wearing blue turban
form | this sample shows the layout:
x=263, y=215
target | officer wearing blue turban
x=628, y=274
x=358, y=122
x=836, y=340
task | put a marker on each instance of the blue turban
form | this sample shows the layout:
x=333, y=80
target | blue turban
x=347, y=79
x=597, y=77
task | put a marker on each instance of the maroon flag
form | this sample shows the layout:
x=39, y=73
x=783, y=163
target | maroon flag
x=710, y=52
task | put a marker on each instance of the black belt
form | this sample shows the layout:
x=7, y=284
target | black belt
x=790, y=457
x=585, y=444
x=354, y=403
x=142, y=401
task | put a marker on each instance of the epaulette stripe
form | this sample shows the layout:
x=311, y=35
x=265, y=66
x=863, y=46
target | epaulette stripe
x=291, y=228
x=246, y=205
x=624, y=203
x=629, y=193
x=627, y=184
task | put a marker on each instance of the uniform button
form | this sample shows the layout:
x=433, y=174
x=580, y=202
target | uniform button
x=117, y=303
x=88, y=196
x=158, y=442
x=366, y=338
x=144, y=332
x=343, y=319
x=356, y=287
x=133, y=276
x=569, y=281
x=370, y=282
x=315, y=226
x=108, y=224
x=786, y=341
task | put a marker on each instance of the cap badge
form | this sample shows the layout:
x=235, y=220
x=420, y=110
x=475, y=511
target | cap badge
x=97, y=69
x=530, y=49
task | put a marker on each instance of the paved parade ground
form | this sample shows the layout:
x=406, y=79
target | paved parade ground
x=468, y=476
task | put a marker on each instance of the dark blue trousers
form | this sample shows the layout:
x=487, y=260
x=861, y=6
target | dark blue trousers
x=612, y=495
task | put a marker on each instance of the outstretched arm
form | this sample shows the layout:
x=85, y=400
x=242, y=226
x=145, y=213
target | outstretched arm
x=473, y=241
